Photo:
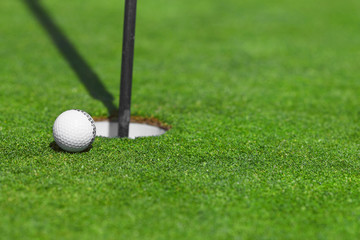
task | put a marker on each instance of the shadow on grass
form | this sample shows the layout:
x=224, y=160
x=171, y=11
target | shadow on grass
x=56, y=148
x=82, y=69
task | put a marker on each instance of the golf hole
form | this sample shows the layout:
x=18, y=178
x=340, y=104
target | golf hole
x=108, y=128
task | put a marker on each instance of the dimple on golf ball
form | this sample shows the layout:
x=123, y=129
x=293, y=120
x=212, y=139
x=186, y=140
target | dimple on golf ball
x=74, y=130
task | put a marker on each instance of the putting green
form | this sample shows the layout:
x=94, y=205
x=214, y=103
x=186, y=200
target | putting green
x=263, y=100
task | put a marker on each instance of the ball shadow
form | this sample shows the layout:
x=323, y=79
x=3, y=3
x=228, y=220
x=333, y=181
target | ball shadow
x=56, y=148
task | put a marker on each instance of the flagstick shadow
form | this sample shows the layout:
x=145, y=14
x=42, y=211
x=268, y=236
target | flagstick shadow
x=82, y=69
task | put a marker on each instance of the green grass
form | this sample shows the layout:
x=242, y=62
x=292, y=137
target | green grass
x=263, y=97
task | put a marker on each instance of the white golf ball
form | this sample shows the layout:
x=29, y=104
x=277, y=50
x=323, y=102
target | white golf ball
x=74, y=130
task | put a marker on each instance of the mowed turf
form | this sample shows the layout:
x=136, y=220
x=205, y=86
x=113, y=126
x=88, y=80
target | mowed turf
x=262, y=96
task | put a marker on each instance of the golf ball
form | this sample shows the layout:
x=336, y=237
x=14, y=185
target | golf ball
x=74, y=130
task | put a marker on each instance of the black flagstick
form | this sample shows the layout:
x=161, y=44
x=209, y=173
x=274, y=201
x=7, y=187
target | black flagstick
x=127, y=67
